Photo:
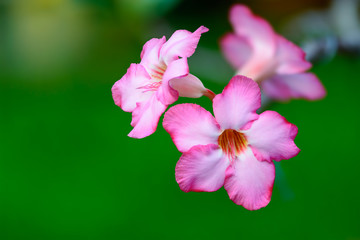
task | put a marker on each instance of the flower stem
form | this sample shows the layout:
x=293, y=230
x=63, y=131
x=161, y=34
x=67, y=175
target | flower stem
x=210, y=94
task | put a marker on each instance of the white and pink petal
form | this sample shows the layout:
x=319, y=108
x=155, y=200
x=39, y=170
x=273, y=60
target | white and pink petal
x=256, y=30
x=145, y=117
x=181, y=44
x=189, y=86
x=190, y=125
x=249, y=182
x=290, y=58
x=236, y=50
x=236, y=106
x=176, y=69
x=302, y=85
x=201, y=169
x=150, y=55
x=129, y=90
x=271, y=137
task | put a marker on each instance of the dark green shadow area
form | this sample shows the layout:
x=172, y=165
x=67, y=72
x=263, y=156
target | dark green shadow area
x=68, y=171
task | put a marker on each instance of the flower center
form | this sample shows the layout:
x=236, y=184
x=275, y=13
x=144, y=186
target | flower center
x=156, y=72
x=232, y=142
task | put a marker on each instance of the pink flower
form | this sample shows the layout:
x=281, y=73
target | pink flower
x=234, y=149
x=161, y=77
x=278, y=65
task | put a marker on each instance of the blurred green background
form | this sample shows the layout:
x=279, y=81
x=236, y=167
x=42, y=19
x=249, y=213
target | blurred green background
x=69, y=171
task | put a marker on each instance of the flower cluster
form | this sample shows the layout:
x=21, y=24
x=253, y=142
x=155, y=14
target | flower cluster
x=237, y=147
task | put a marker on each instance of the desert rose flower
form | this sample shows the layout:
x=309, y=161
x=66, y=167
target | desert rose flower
x=235, y=149
x=278, y=65
x=158, y=80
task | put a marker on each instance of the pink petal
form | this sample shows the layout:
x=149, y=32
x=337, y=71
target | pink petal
x=249, y=182
x=290, y=58
x=303, y=85
x=178, y=68
x=237, y=104
x=181, y=44
x=145, y=117
x=236, y=49
x=188, y=86
x=150, y=54
x=202, y=169
x=190, y=125
x=126, y=92
x=260, y=36
x=272, y=137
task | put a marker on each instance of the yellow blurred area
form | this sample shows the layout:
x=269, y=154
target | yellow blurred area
x=47, y=36
x=42, y=38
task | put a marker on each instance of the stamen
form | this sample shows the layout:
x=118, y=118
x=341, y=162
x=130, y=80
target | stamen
x=232, y=142
x=151, y=86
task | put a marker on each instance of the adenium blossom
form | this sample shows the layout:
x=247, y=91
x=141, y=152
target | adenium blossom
x=235, y=149
x=158, y=80
x=277, y=64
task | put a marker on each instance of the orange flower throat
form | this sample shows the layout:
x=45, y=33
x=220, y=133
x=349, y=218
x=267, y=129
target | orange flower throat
x=232, y=142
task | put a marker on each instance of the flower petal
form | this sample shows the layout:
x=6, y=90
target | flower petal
x=303, y=85
x=127, y=91
x=145, y=117
x=150, y=54
x=290, y=58
x=178, y=68
x=190, y=125
x=237, y=104
x=236, y=49
x=249, y=182
x=260, y=36
x=181, y=44
x=202, y=169
x=188, y=86
x=272, y=137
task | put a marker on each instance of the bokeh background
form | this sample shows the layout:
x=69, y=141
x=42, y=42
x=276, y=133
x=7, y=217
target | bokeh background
x=69, y=171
